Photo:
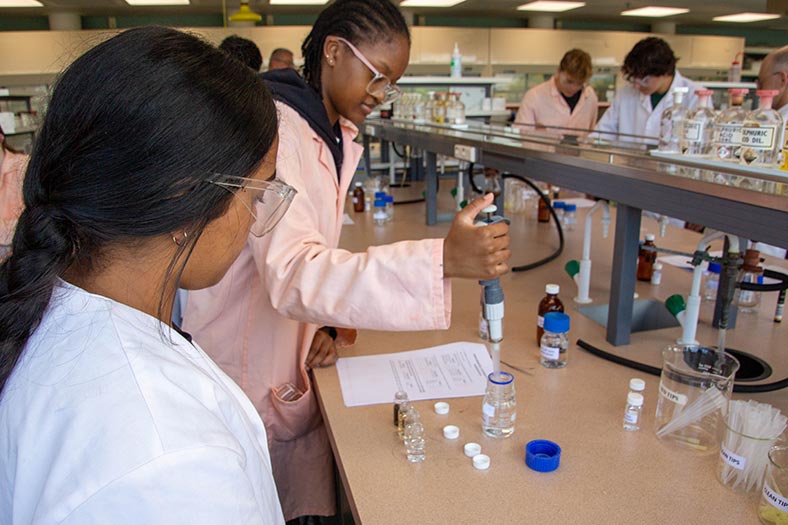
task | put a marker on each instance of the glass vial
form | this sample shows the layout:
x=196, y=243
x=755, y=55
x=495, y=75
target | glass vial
x=413, y=438
x=543, y=213
x=751, y=273
x=379, y=216
x=555, y=342
x=646, y=259
x=549, y=303
x=405, y=410
x=712, y=282
x=632, y=412
x=358, y=198
x=656, y=275
x=570, y=217
x=499, y=408
x=399, y=398
x=389, y=199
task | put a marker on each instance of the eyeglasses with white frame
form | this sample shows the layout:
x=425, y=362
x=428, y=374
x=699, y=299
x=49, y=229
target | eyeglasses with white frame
x=381, y=87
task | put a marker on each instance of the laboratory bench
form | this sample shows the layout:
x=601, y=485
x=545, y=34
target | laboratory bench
x=606, y=474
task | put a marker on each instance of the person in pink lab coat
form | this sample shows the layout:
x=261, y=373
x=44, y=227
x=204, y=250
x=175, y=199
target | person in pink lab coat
x=258, y=323
x=566, y=100
x=12, y=173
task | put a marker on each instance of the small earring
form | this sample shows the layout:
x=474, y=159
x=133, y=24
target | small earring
x=180, y=241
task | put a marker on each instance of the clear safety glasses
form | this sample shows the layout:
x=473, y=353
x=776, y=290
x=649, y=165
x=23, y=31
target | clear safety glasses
x=269, y=202
x=380, y=87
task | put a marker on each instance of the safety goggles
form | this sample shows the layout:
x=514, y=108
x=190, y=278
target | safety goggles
x=380, y=87
x=271, y=200
x=642, y=82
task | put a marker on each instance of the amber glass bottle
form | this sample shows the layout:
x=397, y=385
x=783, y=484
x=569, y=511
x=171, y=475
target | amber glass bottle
x=646, y=259
x=544, y=209
x=549, y=303
x=358, y=198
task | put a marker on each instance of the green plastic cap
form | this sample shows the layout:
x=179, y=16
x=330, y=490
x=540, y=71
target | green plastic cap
x=572, y=268
x=675, y=304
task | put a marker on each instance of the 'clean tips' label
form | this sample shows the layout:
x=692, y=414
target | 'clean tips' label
x=670, y=395
x=777, y=501
x=734, y=460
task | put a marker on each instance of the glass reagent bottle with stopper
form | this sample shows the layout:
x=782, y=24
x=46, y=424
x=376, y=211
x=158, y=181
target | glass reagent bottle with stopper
x=499, y=407
x=646, y=259
x=727, y=127
x=761, y=133
x=555, y=342
x=699, y=126
x=671, y=126
x=549, y=303
x=632, y=411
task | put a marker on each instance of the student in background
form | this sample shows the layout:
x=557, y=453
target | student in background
x=259, y=321
x=281, y=58
x=651, y=74
x=243, y=50
x=107, y=413
x=12, y=173
x=566, y=100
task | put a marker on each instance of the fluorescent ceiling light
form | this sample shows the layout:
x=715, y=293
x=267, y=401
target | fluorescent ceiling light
x=745, y=17
x=297, y=2
x=157, y=2
x=20, y=3
x=550, y=6
x=430, y=3
x=653, y=11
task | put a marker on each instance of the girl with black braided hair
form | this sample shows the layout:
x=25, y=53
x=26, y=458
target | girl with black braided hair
x=147, y=174
x=260, y=320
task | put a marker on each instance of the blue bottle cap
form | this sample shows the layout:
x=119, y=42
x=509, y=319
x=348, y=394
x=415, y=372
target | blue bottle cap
x=557, y=205
x=380, y=194
x=570, y=207
x=556, y=322
x=715, y=267
x=380, y=203
x=542, y=455
x=389, y=198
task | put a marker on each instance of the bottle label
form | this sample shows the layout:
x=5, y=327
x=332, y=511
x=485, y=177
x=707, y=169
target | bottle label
x=540, y=321
x=631, y=417
x=778, y=502
x=379, y=215
x=355, y=200
x=488, y=410
x=670, y=395
x=727, y=135
x=734, y=460
x=693, y=130
x=550, y=352
x=759, y=138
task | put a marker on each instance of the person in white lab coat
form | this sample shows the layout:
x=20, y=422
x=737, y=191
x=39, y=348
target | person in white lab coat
x=651, y=74
x=149, y=172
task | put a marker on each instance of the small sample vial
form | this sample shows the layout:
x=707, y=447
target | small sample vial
x=712, y=281
x=399, y=398
x=646, y=259
x=656, y=275
x=358, y=198
x=543, y=213
x=558, y=208
x=499, y=407
x=632, y=412
x=415, y=445
x=570, y=217
x=555, y=342
x=379, y=215
x=406, y=410
x=549, y=303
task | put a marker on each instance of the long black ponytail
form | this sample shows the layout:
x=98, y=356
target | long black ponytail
x=134, y=129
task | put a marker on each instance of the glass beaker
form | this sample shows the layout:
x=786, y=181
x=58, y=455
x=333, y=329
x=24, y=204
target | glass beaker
x=773, y=507
x=743, y=459
x=694, y=389
x=499, y=408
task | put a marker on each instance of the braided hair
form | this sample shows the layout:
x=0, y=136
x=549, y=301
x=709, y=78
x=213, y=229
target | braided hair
x=358, y=21
x=135, y=128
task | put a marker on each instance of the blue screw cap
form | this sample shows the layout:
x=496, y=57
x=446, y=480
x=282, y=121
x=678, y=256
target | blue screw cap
x=542, y=455
x=570, y=207
x=557, y=205
x=556, y=322
x=715, y=267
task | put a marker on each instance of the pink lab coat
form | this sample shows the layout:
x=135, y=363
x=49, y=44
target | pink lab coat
x=258, y=322
x=12, y=175
x=543, y=105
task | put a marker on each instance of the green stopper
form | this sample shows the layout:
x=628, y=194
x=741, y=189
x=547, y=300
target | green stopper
x=675, y=304
x=572, y=268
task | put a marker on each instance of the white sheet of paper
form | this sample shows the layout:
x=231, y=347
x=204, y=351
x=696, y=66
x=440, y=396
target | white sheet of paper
x=347, y=220
x=452, y=370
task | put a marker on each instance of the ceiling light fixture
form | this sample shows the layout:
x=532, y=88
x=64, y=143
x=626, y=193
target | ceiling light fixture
x=550, y=6
x=654, y=11
x=20, y=3
x=743, y=18
x=430, y=3
x=157, y=2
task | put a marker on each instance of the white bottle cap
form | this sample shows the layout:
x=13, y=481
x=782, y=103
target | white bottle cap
x=552, y=289
x=472, y=449
x=657, y=265
x=442, y=408
x=481, y=461
x=451, y=432
x=637, y=385
x=650, y=237
x=635, y=399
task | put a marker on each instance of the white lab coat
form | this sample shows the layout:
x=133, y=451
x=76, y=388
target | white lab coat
x=110, y=417
x=631, y=111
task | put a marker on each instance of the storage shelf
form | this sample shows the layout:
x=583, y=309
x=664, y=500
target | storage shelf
x=449, y=81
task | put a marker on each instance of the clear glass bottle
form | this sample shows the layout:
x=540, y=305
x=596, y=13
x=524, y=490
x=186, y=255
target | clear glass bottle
x=646, y=259
x=632, y=411
x=406, y=410
x=555, y=343
x=656, y=274
x=413, y=438
x=459, y=115
x=712, y=281
x=451, y=109
x=389, y=199
x=558, y=208
x=549, y=303
x=570, y=217
x=499, y=407
x=751, y=273
x=727, y=127
x=699, y=126
x=379, y=216
x=418, y=109
x=761, y=133
x=399, y=398
x=429, y=107
x=671, y=123
x=439, y=110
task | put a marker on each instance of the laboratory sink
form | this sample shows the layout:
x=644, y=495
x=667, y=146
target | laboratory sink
x=647, y=314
